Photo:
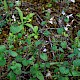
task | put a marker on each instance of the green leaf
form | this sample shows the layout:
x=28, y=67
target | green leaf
x=43, y=23
x=35, y=29
x=29, y=25
x=16, y=29
x=64, y=44
x=12, y=76
x=63, y=78
x=40, y=75
x=29, y=16
x=78, y=15
x=16, y=68
x=19, y=58
x=64, y=70
x=47, y=64
x=78, y=33
x=75, y=73
x=71, y=55
x=76, y=62
x=54, y=48
x=20, y=14
x=38, y=43
x=5, y=5
x=19, y=35
x=66, y=20
x=2, y=61
x=26, y=62
x=46, y=33
x=13, y=53
x=61, y=49
x=44, y=56
x=60, y=30
x=2, y=48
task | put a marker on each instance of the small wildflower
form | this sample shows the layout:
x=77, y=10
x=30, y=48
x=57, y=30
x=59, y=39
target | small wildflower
x=49, y=74
x=63, y=13
x=51, y=20
x=13, y=17
x=72, y=1
x=68, y=25
x=69, y=15
x=66, y=28
x=44, y=50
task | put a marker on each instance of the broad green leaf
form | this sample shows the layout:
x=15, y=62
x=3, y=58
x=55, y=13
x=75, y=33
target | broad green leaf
x=19, y=35
x=2, y=48
x=75, y=73
x=16, y=29
x=76, y=62
x=54, y=48
x=35, y=29
x=66, y=20
x=2, y=61
x=16, y=68
x=26, y=62
x=20, y=14
x=64, y=70
x=78, y=33
x=46, y=33
x=44, y=56
x=60, y=30
x=13, y=53
x=40, y=75
x=71, y=55
x=47, y=64
x=19, y=58
x=64, y=44
x=12, y=76
x=63, y=78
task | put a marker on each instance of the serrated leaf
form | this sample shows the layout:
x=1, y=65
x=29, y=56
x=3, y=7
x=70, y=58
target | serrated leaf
x=16, y=68
x=12, y=76
x=2, y=48
x=2, y=61
x=76, y=62
x=64, y=44
x=64, y=70
x=54, y=48
x=40, y=75
x=16, y=29
x=60, y=30
x=35, y=29
x=75, y=73
x=20, y=14
x=44, y=56
x=13, y=53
